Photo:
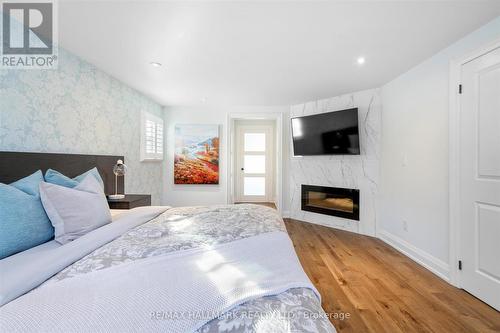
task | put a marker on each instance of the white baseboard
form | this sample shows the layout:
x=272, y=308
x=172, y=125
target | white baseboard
x=435, y=265
x=285, y=214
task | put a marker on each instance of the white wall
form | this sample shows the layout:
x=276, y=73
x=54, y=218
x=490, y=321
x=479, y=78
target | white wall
x=360, y=172
x=414, y=164
x=189, y=195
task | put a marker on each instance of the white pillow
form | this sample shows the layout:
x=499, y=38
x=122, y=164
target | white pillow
x=75, y=211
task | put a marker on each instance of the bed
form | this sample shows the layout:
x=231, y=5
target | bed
x=227, y=268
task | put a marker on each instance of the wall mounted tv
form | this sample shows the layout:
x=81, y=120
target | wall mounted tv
x=331, y=133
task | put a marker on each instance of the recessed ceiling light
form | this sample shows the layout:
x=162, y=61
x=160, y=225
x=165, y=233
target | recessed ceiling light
x=155, y=64
x=361, y=60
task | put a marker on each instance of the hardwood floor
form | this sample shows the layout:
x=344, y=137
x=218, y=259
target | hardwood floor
x=383, y=290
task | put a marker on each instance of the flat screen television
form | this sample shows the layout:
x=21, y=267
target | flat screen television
x=331, y=133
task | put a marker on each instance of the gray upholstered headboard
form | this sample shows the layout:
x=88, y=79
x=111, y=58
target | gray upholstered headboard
x=16, y=165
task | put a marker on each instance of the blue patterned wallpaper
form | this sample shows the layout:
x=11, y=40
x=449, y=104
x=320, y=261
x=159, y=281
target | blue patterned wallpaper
x=77, y=109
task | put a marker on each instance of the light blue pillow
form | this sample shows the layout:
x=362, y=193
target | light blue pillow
x=23, y=221
x=55, y=177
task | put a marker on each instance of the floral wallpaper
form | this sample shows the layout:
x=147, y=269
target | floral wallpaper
x=77, y=109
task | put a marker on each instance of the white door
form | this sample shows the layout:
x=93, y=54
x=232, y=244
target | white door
x=254, y=163
x=480, y=178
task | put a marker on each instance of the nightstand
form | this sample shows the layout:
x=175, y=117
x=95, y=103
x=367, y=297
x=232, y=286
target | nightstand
x=130, y=201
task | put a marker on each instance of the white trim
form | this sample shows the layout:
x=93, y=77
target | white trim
x=454, y=156
x=435, y=265
x=278, y=117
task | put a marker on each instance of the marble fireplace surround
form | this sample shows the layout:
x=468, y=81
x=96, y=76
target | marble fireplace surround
x=346, y=171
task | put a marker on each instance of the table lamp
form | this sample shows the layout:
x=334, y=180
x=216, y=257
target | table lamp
x=119, y=170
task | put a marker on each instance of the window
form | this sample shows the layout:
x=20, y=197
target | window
x=151, y=137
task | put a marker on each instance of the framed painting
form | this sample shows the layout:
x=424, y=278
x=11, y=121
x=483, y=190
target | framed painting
x=196, y=159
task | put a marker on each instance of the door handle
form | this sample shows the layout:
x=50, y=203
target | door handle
x=242, y=169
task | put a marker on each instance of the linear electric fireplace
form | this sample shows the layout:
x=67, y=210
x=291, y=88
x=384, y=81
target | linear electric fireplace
x=342, y=202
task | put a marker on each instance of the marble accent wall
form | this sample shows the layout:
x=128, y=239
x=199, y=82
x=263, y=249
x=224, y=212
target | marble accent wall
x=77, y=109
x=361, y=172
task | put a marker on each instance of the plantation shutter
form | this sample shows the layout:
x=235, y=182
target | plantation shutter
x=152, y=137
x=159, y=138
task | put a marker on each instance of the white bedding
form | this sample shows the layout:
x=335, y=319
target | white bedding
x=117, y=213
x=40, y=263
x=207, y=280
x=122, y=249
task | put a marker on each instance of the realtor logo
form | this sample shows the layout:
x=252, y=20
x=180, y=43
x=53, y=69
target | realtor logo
x=28, y=35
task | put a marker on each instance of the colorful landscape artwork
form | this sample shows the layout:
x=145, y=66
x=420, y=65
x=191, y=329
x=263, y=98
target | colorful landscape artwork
x=196, y=154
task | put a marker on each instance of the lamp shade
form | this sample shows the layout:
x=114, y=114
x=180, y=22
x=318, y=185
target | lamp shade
x=120, y=169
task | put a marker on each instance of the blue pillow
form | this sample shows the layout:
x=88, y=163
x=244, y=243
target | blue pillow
x=55, y=177
x=23, y=222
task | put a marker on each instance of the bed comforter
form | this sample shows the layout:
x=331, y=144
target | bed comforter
x=295, y=310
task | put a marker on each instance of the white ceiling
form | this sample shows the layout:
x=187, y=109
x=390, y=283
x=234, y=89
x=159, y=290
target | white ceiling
x=262, y=53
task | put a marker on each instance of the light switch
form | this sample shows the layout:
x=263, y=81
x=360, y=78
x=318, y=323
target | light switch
x=404, y=160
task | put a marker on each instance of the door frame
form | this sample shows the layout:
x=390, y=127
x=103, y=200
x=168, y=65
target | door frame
x=278, y=164
x=454, y=156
